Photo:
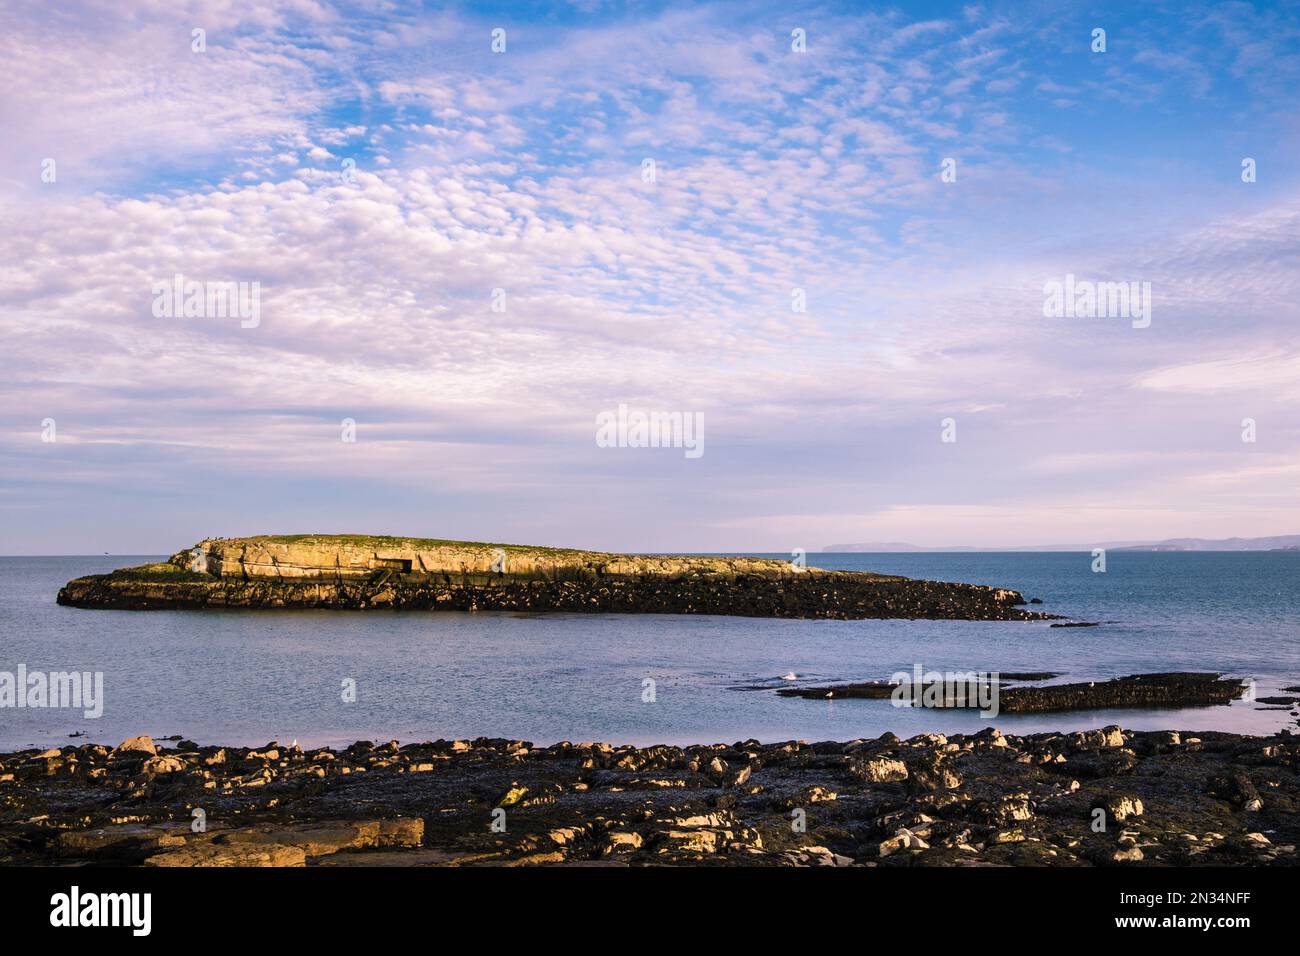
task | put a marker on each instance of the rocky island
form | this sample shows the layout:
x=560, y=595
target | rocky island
x=366, y=572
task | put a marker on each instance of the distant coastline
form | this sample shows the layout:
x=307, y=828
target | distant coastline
x=1283, y=542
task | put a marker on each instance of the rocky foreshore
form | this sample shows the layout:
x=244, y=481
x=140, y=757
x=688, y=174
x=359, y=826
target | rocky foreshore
x=361, y=573
x=1099, y=797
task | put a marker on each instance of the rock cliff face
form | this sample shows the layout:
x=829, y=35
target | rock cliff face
x=361, y=557
x=356, y=572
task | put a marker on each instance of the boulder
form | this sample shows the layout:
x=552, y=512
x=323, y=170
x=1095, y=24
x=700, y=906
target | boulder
x=136, y=745
x=403, y=831
x=932, y=771
x=904, y=839
x=690, y=841
x=623, y=841
x=878, y=769
x=1236, y=787
x=163, y=765
x=1119, y=807
x=1008, y=810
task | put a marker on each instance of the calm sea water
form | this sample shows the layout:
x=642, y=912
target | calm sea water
x=248, y=677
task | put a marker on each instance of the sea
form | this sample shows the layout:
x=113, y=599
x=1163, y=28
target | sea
x=249, y=677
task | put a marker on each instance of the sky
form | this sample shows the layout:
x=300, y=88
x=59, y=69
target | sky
x=472, y=254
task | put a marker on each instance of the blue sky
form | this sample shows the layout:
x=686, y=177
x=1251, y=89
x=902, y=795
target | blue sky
x=522, y=171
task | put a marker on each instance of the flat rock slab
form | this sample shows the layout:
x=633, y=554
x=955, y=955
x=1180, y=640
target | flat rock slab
x=211, y=854
x=175, y=844
x=421, y=857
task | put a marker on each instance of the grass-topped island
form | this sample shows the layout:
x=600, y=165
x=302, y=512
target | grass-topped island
x=366, y=572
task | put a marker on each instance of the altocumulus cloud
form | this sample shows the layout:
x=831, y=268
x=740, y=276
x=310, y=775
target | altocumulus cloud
x=382, y=174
